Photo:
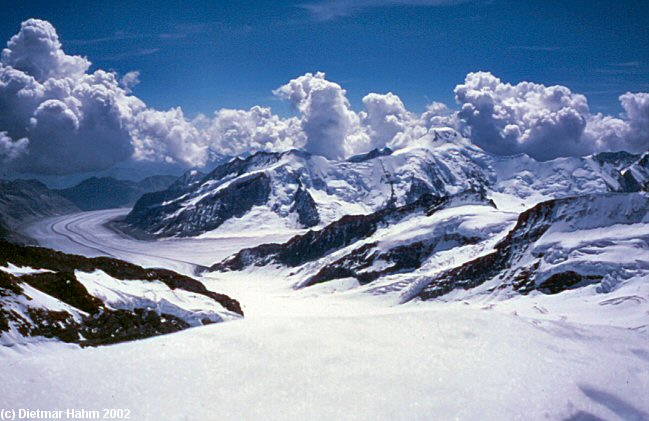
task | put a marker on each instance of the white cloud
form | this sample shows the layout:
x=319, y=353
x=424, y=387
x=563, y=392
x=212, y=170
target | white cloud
x=330, y=125
x=385, y=117
x=57, y=118
x=74, y=121
x=36, y=50
x=129, y=80
x=68, y=120
x=167, y=136
x=10, y=149
x=235, y=132
x=545, y=121
x=636, y=112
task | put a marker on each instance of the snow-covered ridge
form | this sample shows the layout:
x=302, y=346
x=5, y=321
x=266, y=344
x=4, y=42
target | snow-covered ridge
x=307, y=190
x=295, y=190
x=193, y=308
x=559, y=245
x=48, y=294
x=457, y=249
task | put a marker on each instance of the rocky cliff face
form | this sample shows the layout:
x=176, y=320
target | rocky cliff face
x=304, y=191
x=347, y=231
x=436, y=246
x=207, y=212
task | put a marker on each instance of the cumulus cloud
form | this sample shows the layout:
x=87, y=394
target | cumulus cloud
x=57, y=118
x=332, y=129
x=129, y=80
x=167, y=136
x=235, y=132
x=636, y=112
x=10, y=149
x=36, y=50
x=73, y=121
x=385, y=117
x=545, y=121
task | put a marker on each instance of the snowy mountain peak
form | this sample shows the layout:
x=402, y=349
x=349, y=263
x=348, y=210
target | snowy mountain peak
x=289, y=189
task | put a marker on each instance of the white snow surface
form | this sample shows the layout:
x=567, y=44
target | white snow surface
x=117, y=294
x=334, y=351
x=11, y=269
x=86, y=233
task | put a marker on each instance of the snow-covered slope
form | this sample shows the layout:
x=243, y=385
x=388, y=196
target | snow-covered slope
x=580, y=354
x=522, y=182
x=295, y=189
x=441, y=247
x=559, y=245
x=46, y=294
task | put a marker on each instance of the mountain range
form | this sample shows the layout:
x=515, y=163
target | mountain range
x=106, y=192
x=435, y=219
x=22, y=201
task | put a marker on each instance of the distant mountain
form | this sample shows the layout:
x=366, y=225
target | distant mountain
x=22, y=201
x=107, y=192
x=295, y=190
x=46, y=294
x=438, y=218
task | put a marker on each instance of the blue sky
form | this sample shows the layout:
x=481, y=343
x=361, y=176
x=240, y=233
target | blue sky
x=205, y=55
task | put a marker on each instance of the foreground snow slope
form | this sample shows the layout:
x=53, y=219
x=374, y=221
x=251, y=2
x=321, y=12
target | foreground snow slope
x=329, y=352
x=335, y=358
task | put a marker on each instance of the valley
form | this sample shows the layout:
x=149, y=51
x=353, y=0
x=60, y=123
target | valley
x=576, y=355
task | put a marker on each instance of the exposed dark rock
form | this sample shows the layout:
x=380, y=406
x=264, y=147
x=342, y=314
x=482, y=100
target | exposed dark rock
x=562, y=281
x=114, y=326
x=374, y=153
x=101, y=328
x=100, y=325
x=316, y=244
x=65, y=287
x=187, y=212
x=42, y=258
x=619, y=159
x=629, y=184
x=51, y=324
x=503, y=261
x=208, y=213
x=531, y=225
x=636, y=177
x=305, y=207
x=400, y=259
